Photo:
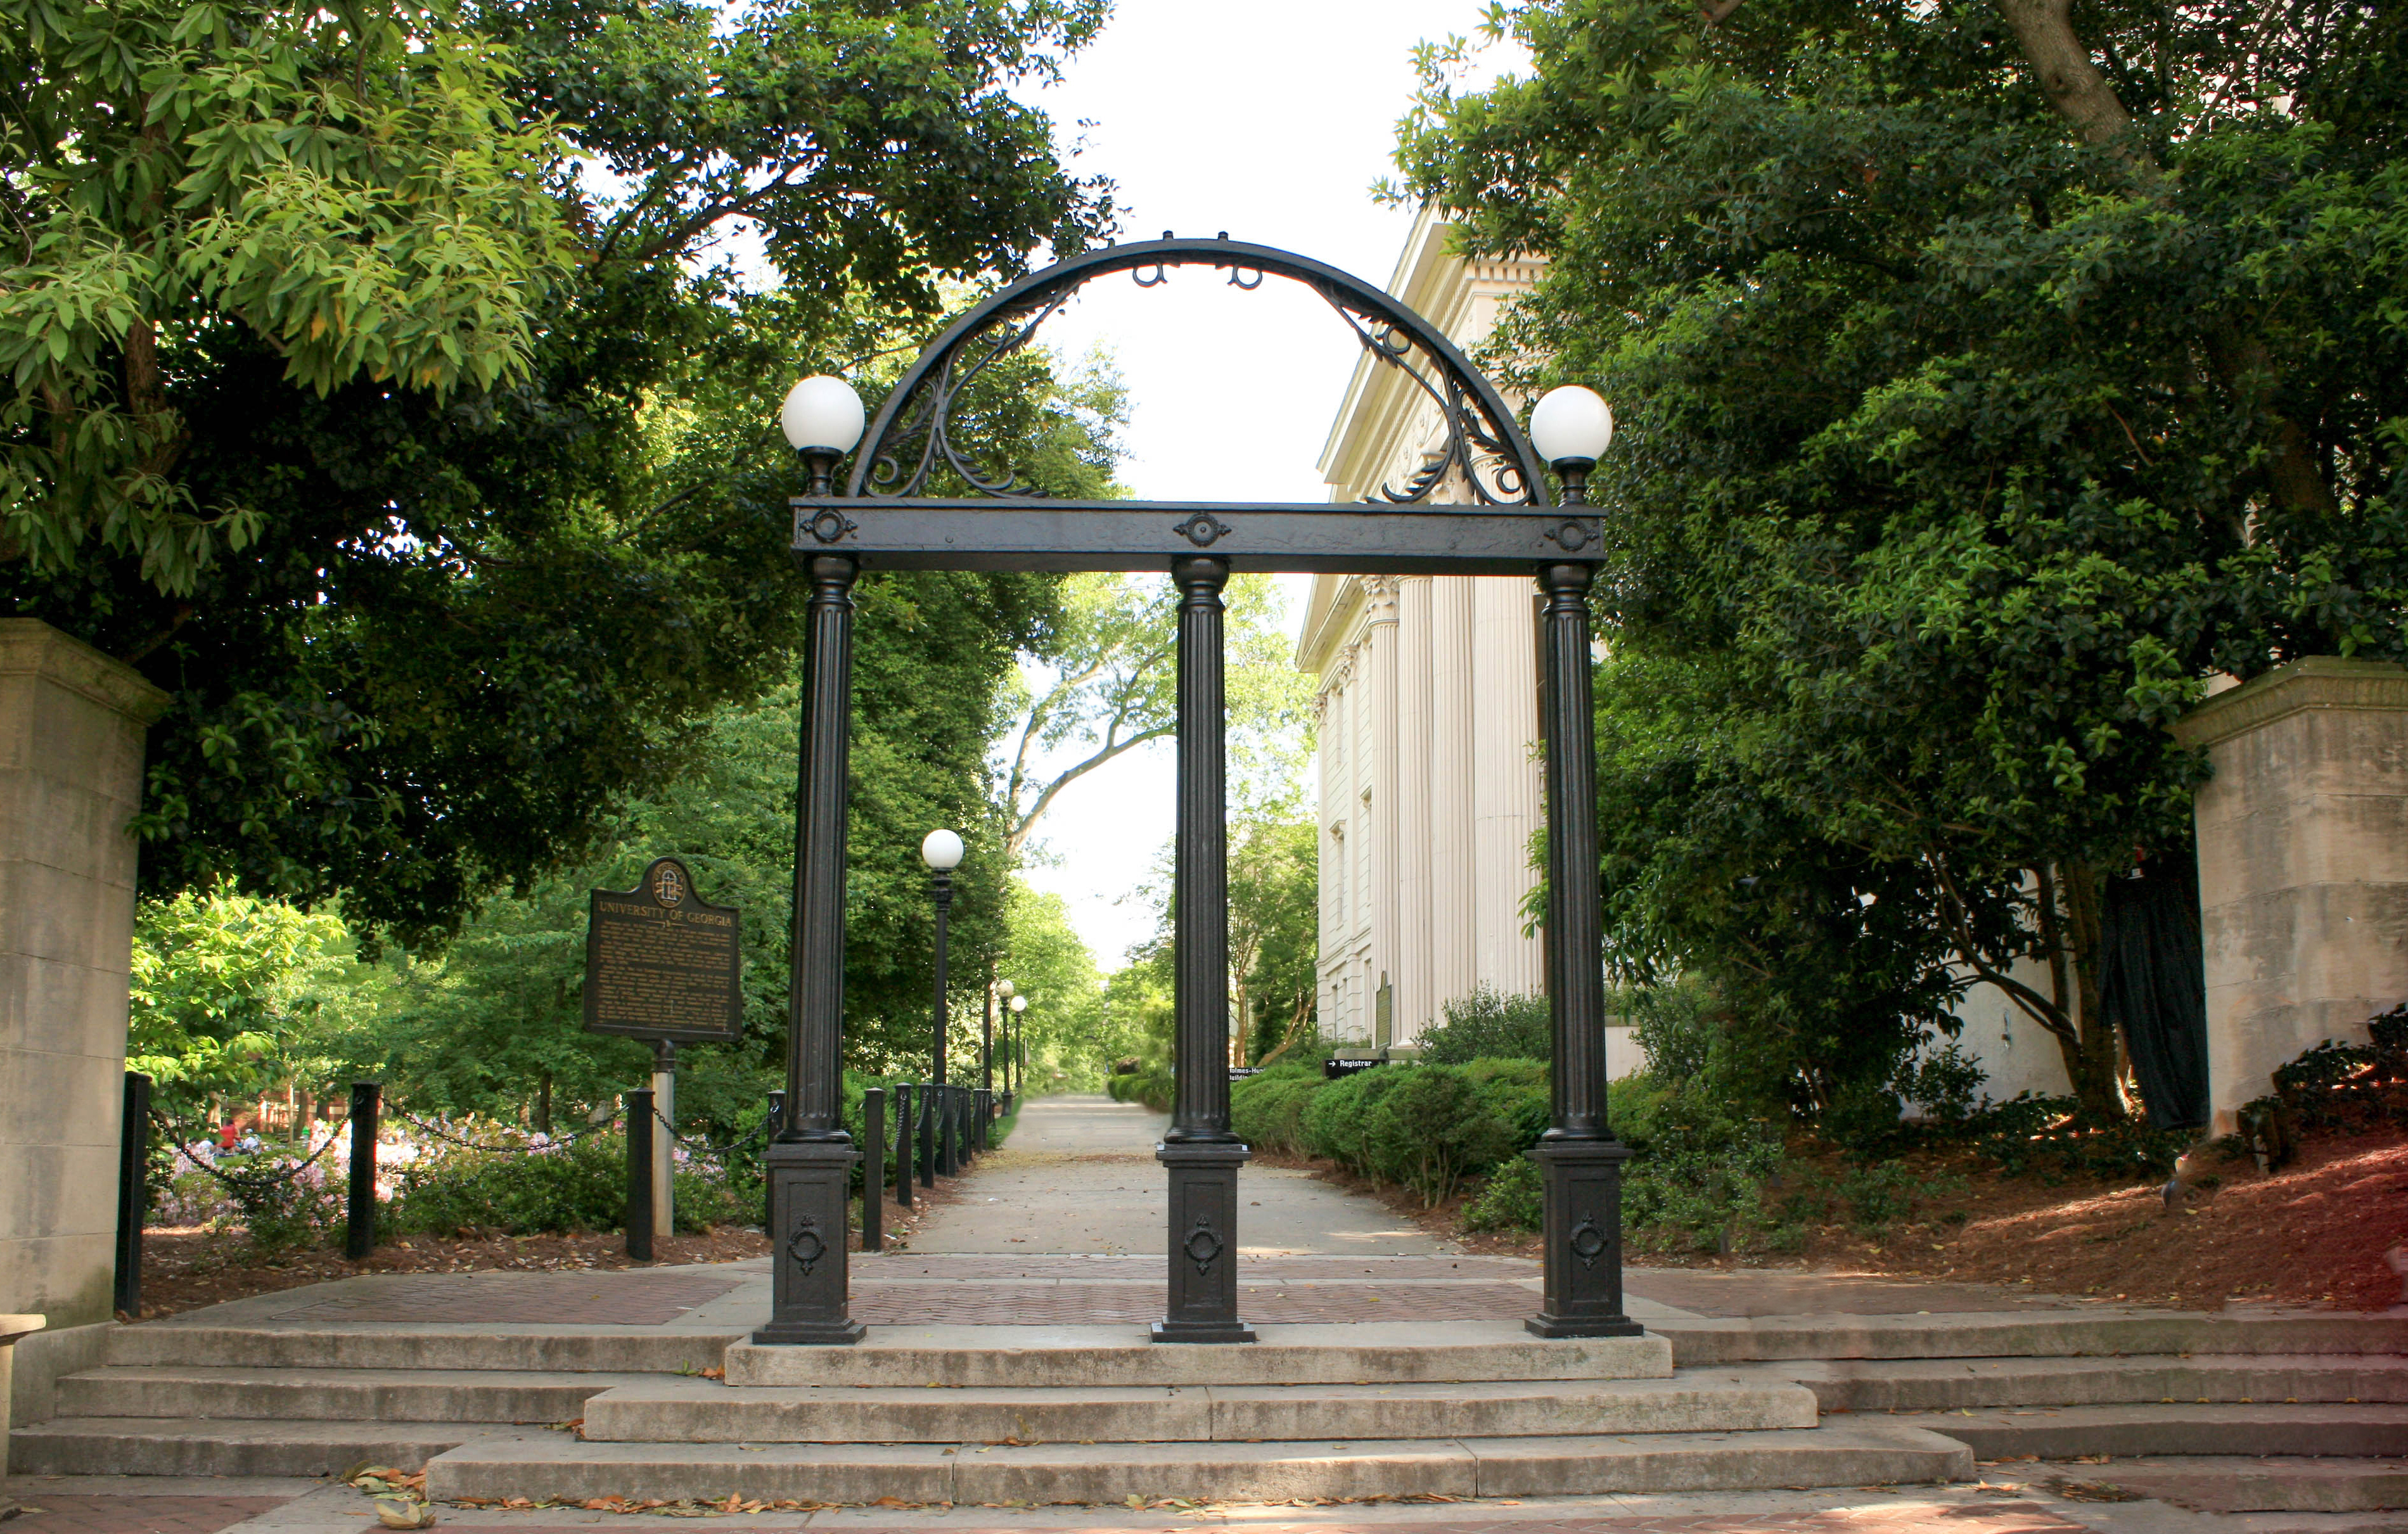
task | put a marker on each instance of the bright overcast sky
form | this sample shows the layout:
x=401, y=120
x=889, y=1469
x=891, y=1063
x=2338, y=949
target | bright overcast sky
x=1268, y=119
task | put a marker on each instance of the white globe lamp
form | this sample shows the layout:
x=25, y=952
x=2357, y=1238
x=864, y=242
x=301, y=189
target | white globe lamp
x=823, y=416
x=941, y=850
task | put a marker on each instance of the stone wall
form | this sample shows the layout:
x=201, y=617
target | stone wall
x=2302, y=864
x=71, y=736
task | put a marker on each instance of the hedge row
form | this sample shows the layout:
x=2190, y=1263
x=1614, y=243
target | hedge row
x=1426, y=1128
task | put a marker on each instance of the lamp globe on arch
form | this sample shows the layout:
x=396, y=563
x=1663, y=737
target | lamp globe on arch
x=823, y=415
x=1572, y=426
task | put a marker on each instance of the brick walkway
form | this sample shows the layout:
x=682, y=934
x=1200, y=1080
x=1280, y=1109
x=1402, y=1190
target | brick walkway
x=1910, y=1518
x=1068, y=1304
x=627, y=1298
x=133, y=1514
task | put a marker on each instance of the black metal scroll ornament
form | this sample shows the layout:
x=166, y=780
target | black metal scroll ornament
x=1202, y=1247
x=913, y=437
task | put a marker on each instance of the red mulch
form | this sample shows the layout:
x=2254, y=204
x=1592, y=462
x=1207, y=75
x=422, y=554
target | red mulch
x=2313, y=1233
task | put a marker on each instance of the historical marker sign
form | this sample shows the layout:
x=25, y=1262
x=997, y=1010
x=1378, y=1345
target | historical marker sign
x=663, y=963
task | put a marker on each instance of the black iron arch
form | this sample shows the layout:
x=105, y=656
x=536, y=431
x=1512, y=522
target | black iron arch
x=910, y=439
x=882, y=519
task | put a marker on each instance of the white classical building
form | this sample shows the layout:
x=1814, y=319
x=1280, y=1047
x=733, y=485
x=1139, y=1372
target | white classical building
x=1429, y=706
x=1429, y=710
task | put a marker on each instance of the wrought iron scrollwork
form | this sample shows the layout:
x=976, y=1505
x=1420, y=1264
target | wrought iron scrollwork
x=914, y=434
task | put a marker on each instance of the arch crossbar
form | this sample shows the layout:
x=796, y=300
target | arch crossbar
x=910, y=441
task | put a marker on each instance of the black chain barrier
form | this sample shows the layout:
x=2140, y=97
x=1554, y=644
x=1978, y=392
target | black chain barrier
x=255, y=1182
x=704, y=1147
x=551, y=1142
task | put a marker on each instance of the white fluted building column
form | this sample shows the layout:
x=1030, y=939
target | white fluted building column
x=1505, y=781
x=1452, y=908
x=1380, y=778
x=1409, y=954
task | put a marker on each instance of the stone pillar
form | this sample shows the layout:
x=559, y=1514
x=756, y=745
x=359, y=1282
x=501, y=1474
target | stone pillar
x=1416, y=1009
x=71, y=728
x=2302, y=864
x=1505, y=781
x=11, y=1329
x=1451, y=913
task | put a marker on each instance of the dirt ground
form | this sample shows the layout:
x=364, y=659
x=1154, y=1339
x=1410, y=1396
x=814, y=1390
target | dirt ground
x=2314, y=1233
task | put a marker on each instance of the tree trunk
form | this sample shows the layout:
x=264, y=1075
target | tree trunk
x=543, y=1103
x=2072, y=926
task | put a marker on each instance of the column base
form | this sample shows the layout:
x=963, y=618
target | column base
x=1201, y=1331
x=841, y=1334
x=1203, y=1240
x=809, y=1183
x=1583, y=1251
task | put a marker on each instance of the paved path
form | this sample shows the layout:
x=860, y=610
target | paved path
x=2005, y=1503
x=1079, y=1176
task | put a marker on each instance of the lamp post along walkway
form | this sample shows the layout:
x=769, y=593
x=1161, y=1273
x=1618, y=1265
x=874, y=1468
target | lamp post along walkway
x=1498, y=520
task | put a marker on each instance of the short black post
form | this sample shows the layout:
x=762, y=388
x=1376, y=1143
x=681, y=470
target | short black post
x=639, y=1174
x=132, y=1192
x=1580, y=1162
x=1201, y=1154
x=925, y=1128
x=776, y=1121
x=903, y=1144
x=873, y=1171
x=812, y=1159
x=359, y=1236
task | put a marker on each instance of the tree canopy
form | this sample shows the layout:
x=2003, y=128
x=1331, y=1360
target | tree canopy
x=1991, y=376
x=432, y=567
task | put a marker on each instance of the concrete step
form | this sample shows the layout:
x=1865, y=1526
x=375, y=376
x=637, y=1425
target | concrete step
x=2066, y=1432
x=540, y=1466
x=518, y=1347
x=696, y=1411
x=334, y=1394
x=200, y=1446
x=1937, y=1384
x=2219, y=1484
x=1088, y=1357
x=2025, y=1334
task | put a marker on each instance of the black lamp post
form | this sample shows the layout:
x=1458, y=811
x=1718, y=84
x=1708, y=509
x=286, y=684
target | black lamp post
x=941, y=851
x=1015, y=1056
x=1580, y=1162
x=810, y=1162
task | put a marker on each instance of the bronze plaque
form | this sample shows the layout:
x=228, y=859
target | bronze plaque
x=663, y=963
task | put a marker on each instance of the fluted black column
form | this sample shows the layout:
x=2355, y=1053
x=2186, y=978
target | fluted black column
x=811, y=1161
x=1579, y=1159
x=1201, y=1154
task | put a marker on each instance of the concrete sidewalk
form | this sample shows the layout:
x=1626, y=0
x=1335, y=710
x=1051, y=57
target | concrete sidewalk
x=1079, y=1176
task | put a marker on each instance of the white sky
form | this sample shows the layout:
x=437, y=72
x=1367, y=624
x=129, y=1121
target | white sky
x=1268, y=119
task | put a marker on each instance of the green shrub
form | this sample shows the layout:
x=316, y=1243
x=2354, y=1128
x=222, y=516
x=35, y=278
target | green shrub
x=1508, y=1200
x=1154, y=1087
x=1636, y=1106
x=453, y=1190
x=1266, y=1111
x=1334, y=1121
x=1489, y=1025
x=1428, y=1127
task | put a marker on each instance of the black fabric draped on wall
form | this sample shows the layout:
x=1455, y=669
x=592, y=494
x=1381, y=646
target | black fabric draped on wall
x=2153, y=986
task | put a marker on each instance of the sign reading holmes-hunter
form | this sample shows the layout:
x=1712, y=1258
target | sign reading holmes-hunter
x=662, y=962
